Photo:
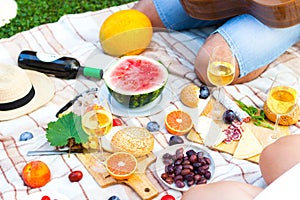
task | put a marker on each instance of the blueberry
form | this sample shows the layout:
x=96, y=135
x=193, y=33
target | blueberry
x=26, y=136
x=113, y=198
x=174, y=139
x=229, y=116
x=153, y=126
x=204, y=92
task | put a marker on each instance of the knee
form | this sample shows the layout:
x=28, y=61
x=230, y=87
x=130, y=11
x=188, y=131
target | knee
x=147, y=7
x=279, y=157
x=202, y=60
x=225, y=190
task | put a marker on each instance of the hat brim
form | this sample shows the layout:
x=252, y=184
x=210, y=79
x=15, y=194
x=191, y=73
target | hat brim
x=44, y=91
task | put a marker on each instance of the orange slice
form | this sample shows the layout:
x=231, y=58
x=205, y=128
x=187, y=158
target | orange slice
x=97, y=122
x=178, y=122
x=104, y=118
x=121, y=165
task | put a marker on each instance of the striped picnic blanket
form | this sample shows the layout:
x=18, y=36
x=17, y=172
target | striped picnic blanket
x=77, y=36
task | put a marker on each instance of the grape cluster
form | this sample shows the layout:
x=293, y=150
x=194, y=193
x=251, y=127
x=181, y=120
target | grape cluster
x=192, y=168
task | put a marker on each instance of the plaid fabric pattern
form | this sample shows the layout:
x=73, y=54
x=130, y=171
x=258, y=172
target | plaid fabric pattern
x=77, y=36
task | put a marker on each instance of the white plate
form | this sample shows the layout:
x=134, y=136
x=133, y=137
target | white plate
x=160, y=166
x=159, y=104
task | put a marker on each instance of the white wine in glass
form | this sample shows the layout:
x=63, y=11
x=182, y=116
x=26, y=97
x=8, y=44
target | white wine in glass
x=220, y=72
x=283, y=96
x=96, y=117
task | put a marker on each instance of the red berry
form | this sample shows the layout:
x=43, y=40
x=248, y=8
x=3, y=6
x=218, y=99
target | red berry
x=168, y=197
x=75, y=176
x=45, y=198
x=117, y=122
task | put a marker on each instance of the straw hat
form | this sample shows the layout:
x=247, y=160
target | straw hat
x=8, y=11
x=22, y=91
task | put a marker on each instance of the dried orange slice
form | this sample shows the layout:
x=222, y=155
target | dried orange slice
x=178, y=122
x=121, y=165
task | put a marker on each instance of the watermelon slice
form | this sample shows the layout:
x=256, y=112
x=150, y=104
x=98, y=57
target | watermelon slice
x=135, y=81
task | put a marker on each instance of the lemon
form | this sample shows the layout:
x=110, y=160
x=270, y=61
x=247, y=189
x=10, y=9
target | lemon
x=125, y=32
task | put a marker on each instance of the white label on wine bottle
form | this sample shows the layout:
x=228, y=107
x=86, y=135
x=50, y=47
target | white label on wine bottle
x=45, y=57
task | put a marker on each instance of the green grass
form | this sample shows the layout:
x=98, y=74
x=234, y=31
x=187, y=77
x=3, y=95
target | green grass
x=37, y=12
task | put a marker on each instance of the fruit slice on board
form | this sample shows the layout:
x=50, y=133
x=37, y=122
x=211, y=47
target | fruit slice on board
x=121, y=165
x=178, y=122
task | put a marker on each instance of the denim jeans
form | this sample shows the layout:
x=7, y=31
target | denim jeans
x=253, y=43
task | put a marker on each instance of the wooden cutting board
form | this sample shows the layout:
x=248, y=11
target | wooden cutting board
x=139, y=181
x=262, y=134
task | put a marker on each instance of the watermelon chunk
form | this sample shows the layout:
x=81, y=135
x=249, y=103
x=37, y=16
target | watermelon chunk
x=135, y=81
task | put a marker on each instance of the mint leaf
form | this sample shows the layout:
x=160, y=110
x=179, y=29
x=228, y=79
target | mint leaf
x=258, y=120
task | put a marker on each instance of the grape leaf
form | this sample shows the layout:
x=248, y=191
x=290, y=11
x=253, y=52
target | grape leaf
x=66, y=127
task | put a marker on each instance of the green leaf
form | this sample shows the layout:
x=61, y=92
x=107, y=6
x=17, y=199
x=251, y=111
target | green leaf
x=262, y=113
x=258, y=120
x=256, y=117
x=253, y=110
x=66, y=127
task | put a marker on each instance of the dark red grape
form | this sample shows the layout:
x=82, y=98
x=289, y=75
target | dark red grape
x=229, y=116
x=75, y=176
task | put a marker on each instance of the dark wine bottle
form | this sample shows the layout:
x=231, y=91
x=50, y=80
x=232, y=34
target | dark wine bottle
x=58, y=66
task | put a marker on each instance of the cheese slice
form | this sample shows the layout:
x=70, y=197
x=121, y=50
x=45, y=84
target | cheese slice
x=210, y=132
x=248, y=145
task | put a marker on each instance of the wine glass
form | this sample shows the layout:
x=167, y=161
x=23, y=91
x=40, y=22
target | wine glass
x=96, y=117
x=220, y=72
x=283, y=96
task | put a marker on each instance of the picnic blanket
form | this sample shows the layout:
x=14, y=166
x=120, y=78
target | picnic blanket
x=76, y=35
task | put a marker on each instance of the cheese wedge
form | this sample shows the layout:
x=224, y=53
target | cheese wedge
x=248, y=145
x=210, y=132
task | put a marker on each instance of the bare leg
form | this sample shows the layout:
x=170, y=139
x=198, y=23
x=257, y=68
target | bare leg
x=201, y=63
x=225, y=190
x=279, y=157
x=204, y=53
x=147, y=7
